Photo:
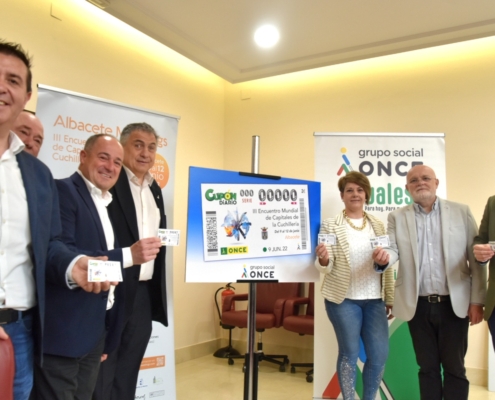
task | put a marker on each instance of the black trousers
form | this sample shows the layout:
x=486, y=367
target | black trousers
x=491, y=327
x=440, y=340
x=118, y=375
x=66, y=378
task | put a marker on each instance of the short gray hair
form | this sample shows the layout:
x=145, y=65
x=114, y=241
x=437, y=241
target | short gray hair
x=136, y=126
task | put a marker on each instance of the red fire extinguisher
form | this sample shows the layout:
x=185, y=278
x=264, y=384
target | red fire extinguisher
x=228, y=290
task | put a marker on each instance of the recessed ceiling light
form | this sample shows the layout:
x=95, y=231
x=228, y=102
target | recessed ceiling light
x=266, y=36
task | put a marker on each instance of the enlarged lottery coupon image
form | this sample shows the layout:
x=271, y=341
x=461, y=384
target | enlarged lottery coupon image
x=247, y=221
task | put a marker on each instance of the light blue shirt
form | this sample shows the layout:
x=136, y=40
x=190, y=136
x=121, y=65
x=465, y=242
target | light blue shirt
x=432, y=272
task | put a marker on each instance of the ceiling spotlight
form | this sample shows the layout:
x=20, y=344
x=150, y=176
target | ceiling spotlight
x=266, y=36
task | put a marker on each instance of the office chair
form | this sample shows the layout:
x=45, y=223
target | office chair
x=225, y=352
x=270, y=300
x=302, y=324
x=7, y=369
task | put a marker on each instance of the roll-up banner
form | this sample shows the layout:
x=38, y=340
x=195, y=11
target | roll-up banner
x=385, y=158
x=69, y=119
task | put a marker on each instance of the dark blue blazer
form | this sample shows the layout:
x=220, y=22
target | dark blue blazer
x=49, y=255
x=75, y=320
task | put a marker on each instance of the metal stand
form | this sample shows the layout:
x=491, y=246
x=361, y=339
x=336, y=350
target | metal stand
x=252, y=361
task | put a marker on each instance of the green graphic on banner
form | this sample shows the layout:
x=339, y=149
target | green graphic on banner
x=401, y=363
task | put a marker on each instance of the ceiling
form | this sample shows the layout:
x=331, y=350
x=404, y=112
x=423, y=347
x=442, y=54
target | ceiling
x=218, y=34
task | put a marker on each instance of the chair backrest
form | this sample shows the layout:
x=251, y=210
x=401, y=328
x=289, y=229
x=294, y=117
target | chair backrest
x=7, y=367
x=310, y=310
x=268, y=293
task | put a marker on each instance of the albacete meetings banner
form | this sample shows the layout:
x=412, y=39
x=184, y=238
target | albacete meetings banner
x=69, y=119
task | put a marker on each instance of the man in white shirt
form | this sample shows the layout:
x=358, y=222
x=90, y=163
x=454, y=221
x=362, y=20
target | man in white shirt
x=75, y=333
x=137, y=211
x=30, y=130
x=30, y=252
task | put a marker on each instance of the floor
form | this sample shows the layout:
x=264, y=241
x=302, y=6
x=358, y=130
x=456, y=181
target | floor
x=210, y=378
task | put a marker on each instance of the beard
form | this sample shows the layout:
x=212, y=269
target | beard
x=423, y=195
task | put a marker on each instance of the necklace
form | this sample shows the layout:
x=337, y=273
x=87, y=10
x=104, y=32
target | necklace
x=354, y=226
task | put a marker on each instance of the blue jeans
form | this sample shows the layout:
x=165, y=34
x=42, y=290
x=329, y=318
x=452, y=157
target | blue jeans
x=21, y=334
x=352, y=320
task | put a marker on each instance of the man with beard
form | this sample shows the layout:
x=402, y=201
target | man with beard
x=440, y=287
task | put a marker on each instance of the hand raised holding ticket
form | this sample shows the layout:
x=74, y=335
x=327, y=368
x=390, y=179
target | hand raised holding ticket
x=322, y=254
x=80, y=276
x=145, y=250
x=380, y=256
x=483, y=252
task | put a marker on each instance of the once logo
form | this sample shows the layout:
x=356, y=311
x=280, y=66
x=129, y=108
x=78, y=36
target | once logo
x=234, y=250
x=346, y=166
x=262, y=274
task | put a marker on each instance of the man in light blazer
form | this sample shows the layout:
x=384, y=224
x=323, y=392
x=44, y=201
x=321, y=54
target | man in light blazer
x=440, y=287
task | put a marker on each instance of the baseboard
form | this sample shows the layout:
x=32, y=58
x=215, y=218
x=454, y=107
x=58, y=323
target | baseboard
x=477, y=376
x=198, y=350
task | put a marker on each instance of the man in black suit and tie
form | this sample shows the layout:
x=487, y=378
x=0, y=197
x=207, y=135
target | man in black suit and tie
x=137, y=211
x=76, y=335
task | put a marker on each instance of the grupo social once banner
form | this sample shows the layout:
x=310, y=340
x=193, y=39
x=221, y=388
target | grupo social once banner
x=69, y=119
x=385, y=158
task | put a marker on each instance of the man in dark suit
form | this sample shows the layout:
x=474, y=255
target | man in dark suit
x=137, y=211
x=30, y=252
x=483, y=251
x=74, y=338
x=30, y=130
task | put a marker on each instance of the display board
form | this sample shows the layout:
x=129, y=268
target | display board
x=245, y=227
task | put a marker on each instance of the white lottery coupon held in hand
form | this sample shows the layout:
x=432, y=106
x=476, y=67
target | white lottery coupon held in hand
x=169, y=237
x=254, y=220
x=101, y=271
x=327, y=238
x=380, y=241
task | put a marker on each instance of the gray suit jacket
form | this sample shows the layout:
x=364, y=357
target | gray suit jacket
x=465, y=277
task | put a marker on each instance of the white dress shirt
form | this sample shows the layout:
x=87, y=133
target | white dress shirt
x=17, y=286
x=147, y=214
x=101, y=202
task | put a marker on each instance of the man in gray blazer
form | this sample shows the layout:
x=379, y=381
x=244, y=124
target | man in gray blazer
x=440, y=287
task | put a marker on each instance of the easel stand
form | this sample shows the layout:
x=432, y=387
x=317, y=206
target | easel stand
x=252, y=358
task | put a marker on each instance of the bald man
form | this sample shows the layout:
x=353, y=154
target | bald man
x=29, y=129
x=440, y=287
